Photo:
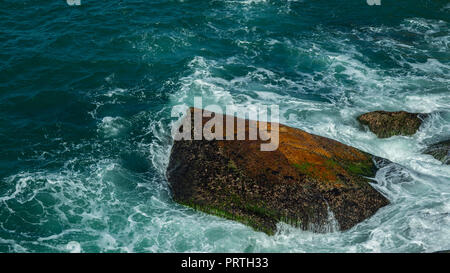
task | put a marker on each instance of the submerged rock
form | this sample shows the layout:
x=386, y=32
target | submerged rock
x=440, y=151
x=386, y=124
x=305, y=182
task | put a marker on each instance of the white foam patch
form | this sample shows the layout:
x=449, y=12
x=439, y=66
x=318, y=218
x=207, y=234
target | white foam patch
x=113, y=126
x=73, y=247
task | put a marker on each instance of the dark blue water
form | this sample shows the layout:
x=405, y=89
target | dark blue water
x=86, y=93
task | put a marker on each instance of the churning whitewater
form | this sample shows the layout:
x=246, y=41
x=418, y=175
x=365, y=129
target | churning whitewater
x=85, y=116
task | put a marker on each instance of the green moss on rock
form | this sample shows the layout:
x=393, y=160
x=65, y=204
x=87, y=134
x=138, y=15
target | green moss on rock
x=361, y=168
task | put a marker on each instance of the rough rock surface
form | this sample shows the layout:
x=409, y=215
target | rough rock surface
x=305, y=182
x=386, y=124
x=440, y=151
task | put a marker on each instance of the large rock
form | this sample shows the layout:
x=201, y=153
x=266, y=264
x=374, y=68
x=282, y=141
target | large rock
x=386, y=124
x=440, y=151
x=308, y=181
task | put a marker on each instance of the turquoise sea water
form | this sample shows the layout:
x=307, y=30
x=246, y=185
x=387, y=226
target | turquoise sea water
x=86, y=93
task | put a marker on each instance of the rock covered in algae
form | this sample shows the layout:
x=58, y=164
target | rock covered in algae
x=386, y=124
x=301, y=183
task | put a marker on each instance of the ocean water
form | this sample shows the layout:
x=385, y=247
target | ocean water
x=86, y=93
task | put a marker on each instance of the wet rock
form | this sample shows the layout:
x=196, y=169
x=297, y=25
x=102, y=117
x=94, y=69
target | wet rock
x=305, y=181
x=442, y=251
x=386, y=124
x=440, y=151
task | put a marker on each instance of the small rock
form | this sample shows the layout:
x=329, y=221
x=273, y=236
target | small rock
x=386, y=124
